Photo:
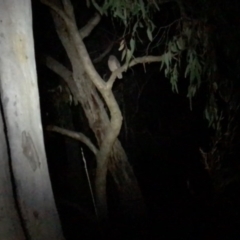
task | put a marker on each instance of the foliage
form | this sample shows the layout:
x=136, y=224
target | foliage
x=190, y=40
x=190, y=46
x=134, y=15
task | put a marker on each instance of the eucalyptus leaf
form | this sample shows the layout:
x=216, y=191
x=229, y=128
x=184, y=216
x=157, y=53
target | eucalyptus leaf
x=187, y=70
x=167, y=59
x=141, y=25
x=149, y=34
x=142, y=6
x=135, y=27
x=166, y=72
x=122, y=45
x=174, y=78
x=156, y=6
x=173, y=47
x=188, y=33
x=97, y=7
x=123, y=54
x=152, y=25
x=180, y=43
x=132, y=44
x=162, y=62
x=125, y=16
x=128, y=56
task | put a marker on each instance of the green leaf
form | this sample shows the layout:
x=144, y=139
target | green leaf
x=156, y=6
x=106, y=6
x=97, y=7
x=167, y=59
x=142, y=6
x=166, y=72
x=152, y=26
x=135, y=27
x=122, y=45
x=118, y=13
x=162, y=62
x=125, y=16
x=149, y=34
x=187, y=70
x=174, y=78
x=173, y=47
x=123, y=54
x=180, y=43
x=141, y=25
x=188, y=33
x=132, y=45
x=129, y=56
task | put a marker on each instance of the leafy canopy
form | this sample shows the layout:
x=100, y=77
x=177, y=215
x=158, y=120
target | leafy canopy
x=187, y=49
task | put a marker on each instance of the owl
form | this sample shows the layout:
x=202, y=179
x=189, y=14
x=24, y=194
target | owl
x=114, y=64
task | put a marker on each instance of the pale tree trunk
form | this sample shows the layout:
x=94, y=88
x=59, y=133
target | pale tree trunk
x=21, y=111
x=10, y=227
x=84, y=84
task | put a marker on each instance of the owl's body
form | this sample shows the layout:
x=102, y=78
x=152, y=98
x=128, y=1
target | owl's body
x=114, y=64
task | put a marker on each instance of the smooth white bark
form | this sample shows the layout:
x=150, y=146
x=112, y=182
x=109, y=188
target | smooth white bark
x=20, y=101
x=10, y=227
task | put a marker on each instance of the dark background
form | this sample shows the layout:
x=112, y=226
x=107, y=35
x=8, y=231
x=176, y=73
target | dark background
x=160, y=134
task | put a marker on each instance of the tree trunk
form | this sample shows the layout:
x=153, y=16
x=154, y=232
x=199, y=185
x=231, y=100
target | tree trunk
x=21, y=111
x=10, y=227
x=84, y=85
x=132, y=206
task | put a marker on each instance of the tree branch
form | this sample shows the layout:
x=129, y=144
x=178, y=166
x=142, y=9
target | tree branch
x=80, y=46
x=68, y=8
x=135, y=61
x=57, y=67
x=92, y=23
x=75, y=135
x=64, y=73
x=60, y=12
x=99, y=58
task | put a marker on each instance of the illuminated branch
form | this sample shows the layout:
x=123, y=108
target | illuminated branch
x=99, y=58
x=64, y=73
x=135, y=61
x=92, y=23
x=81, y=48
x=60, y=12
x=75, y=135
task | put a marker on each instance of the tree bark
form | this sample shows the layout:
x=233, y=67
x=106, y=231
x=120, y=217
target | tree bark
x=21, y=111
x=86, y=81
x=10, y=227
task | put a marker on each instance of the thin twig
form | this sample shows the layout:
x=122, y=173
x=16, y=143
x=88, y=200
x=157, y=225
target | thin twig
x=89, y=183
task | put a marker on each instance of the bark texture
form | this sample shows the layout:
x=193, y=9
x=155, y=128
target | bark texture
x=85, y=85
x=10, y=226
x=21, y=111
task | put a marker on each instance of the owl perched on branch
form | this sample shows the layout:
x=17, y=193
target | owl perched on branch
x=114, y=64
